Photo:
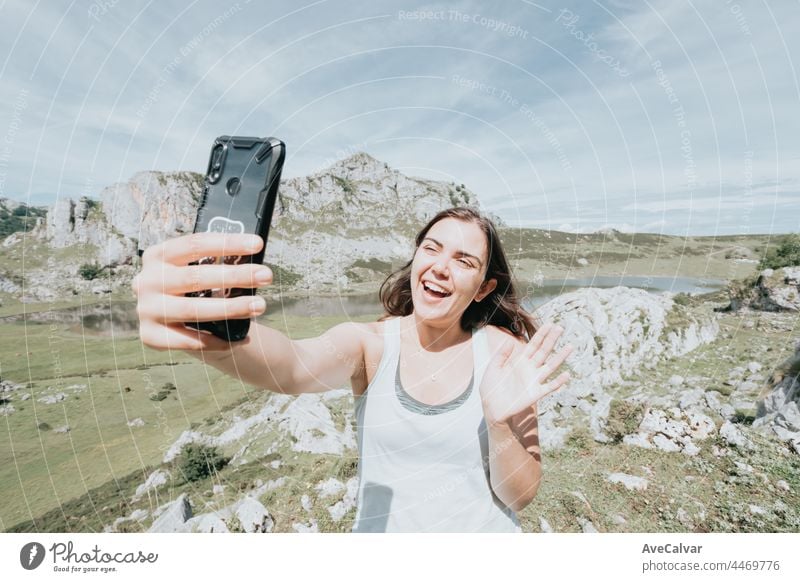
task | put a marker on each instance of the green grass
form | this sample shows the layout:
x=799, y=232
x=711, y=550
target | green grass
x=91, y=511
x=42, y=471
x=29, y=255
x=100, y=506
x=623, y=418
x=583, y=466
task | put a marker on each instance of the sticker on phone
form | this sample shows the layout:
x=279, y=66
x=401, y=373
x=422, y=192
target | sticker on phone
x=225, y=226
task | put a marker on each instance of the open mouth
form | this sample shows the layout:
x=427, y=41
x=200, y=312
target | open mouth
x=434, y=291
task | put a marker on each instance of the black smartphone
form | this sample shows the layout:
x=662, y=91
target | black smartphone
x=241, y=187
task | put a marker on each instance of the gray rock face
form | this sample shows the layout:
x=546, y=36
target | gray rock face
x=84, y=223
x=774, y=290
x=6, y=387
x=53, y=398
x=330, y=487
x=205, y=523
x=361, y=182
x=615, y=333
x=153, y=206
x=149, y=208
x=778, y=290
x=311, y=527
x=778, y=410
x=8, y=286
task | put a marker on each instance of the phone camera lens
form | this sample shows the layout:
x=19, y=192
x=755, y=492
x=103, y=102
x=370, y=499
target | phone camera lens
x=215, y=164
x=233, y=186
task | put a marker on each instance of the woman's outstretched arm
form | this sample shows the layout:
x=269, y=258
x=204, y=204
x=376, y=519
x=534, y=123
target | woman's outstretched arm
x=270, y=360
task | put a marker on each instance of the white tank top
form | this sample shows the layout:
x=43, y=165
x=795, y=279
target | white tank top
x=425, y=468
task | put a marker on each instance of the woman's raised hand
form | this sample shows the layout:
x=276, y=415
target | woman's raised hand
x=516, y=376
x=166, y=277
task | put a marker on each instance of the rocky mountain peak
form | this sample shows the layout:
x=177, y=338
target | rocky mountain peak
x=359, y=166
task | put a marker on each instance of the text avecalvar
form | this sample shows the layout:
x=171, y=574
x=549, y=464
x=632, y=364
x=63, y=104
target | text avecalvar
x=671, y=549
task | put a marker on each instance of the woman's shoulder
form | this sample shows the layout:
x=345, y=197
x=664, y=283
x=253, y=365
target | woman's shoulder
x=373, y=328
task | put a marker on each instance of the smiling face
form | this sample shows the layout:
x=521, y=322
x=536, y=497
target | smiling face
x=448, y=270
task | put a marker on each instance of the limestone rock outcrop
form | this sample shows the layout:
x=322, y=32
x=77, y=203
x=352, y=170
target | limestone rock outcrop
x=778, y=409
x=773, y=290
x=615, y=333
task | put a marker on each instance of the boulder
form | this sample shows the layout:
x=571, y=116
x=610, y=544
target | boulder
x=630, y=482
x=733, y=435
x=330, y=487
x=253, y=516
x=173, y=517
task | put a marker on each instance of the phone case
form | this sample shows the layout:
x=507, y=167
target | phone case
x=241, y=188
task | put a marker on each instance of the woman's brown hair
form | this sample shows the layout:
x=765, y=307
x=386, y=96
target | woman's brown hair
x=501, y=307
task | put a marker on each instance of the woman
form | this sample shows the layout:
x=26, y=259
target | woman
x=445, y=384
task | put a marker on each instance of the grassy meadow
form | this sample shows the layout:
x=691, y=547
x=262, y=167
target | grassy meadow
x=41, y=470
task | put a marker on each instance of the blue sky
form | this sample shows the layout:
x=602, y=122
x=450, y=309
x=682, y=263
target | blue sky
x=674, y=117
